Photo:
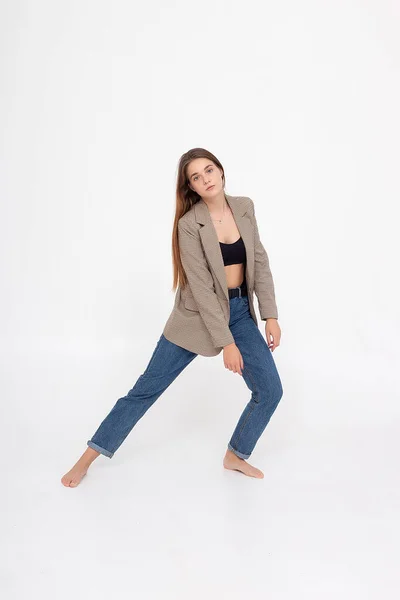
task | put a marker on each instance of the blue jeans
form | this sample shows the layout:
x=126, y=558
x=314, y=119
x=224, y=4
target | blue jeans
x=168, y=361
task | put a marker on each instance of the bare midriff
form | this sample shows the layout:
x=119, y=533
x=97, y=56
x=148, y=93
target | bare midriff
x=234, y=275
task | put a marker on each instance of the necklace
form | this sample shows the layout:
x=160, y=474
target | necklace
x=221, y=219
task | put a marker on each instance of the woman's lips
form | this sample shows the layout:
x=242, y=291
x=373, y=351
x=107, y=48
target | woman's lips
x=210, y=188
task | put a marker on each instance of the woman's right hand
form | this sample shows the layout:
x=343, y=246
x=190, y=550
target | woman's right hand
x=233, y=359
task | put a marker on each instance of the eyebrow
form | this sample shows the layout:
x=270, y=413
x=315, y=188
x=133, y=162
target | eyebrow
x=197, y=173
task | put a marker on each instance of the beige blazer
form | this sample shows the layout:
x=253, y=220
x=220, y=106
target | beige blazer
x=199, y=320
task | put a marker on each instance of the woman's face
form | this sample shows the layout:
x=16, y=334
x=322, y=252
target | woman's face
x=203, y=173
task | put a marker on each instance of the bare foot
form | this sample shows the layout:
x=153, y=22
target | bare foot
x=232, y=461
x=78, y=471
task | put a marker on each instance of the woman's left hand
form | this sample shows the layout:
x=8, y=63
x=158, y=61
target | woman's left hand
x=272, y=333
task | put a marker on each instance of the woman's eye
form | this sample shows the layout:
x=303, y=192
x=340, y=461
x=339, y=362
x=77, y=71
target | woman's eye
x=196, y=176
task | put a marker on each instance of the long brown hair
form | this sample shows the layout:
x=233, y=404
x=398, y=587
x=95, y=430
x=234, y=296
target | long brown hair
x=185, y=199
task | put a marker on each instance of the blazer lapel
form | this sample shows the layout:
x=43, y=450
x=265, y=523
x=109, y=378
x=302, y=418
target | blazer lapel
x=210, y=241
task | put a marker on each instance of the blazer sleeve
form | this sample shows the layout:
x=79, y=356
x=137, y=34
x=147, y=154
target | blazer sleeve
x=202, y=285
x=263, y=280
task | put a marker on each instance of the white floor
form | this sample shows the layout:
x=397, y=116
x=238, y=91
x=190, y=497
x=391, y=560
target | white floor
x=163, y=520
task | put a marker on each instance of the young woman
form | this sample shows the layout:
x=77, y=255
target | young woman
x=219, y=262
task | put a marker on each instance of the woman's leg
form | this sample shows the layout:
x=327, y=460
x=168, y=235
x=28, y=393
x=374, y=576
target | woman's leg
x=260, y=375
x=166, y=363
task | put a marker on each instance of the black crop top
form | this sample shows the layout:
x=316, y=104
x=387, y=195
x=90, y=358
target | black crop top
x=233, y=254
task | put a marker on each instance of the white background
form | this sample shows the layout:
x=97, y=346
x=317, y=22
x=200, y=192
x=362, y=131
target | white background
x=300, y=102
